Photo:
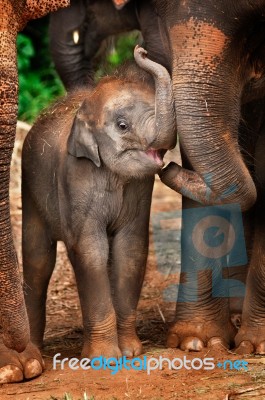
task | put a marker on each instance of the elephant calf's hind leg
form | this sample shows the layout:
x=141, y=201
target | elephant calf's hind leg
x=39, y=256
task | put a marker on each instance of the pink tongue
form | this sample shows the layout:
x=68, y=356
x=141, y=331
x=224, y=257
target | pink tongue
x=155, y=155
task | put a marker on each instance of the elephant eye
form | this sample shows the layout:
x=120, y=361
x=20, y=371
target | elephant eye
x=122, y=124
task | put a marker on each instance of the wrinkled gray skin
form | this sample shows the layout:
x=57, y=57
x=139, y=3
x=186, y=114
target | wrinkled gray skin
x=88, y=167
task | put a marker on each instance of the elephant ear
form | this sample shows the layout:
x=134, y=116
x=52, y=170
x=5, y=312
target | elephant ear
x=120, y=3
x=82, y=142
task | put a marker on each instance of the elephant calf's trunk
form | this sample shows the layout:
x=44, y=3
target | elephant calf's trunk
x=165, y=120
x=190, y=184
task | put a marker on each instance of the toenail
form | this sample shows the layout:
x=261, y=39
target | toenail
x=32, y=369
x=11, y=374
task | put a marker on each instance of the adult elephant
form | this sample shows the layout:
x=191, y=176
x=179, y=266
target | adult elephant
x=14, y=16
x=76, y=34
x=217, y=60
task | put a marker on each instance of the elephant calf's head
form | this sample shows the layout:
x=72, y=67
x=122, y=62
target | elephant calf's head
x=127, y=122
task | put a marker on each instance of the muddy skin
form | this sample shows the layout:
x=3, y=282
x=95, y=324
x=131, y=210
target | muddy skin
x=89, y=184
x=218, y=77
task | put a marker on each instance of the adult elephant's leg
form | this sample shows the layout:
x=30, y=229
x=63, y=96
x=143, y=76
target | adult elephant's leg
x=239, y=273
x=210, y=296
x=202, y=311
x=251, y=336
x=13, y=317
x=13, y=313
x=248, y=130
x=39, y=253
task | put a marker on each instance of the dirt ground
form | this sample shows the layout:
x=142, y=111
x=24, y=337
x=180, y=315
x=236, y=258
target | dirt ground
x=64, y=327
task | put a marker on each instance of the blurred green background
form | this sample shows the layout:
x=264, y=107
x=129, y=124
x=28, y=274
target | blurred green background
x=39, y=84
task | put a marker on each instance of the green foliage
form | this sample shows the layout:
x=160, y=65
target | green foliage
x=37, y=86
x=119, y=51
x=123, y=49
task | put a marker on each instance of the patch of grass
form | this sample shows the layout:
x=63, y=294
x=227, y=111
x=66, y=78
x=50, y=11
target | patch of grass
x=258, y=374
x=233, y=385
x=202, y=390
x=68, y=396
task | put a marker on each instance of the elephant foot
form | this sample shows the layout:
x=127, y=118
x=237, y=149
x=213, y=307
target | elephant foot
x=250, y=340
x=15, y=367
x=196, y=335
x=105, y=350
x=130, y=345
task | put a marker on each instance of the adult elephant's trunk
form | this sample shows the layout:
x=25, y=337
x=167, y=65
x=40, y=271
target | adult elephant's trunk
x=165, y=120
x=13, y=317
x=207, y=90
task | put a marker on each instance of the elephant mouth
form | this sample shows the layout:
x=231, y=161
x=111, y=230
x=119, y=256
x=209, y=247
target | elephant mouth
x=156, y=156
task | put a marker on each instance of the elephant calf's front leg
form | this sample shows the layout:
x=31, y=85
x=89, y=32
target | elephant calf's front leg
x=129, y=255
x=89, y=258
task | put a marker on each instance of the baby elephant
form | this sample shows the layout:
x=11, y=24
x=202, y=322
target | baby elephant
x=88, y=169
